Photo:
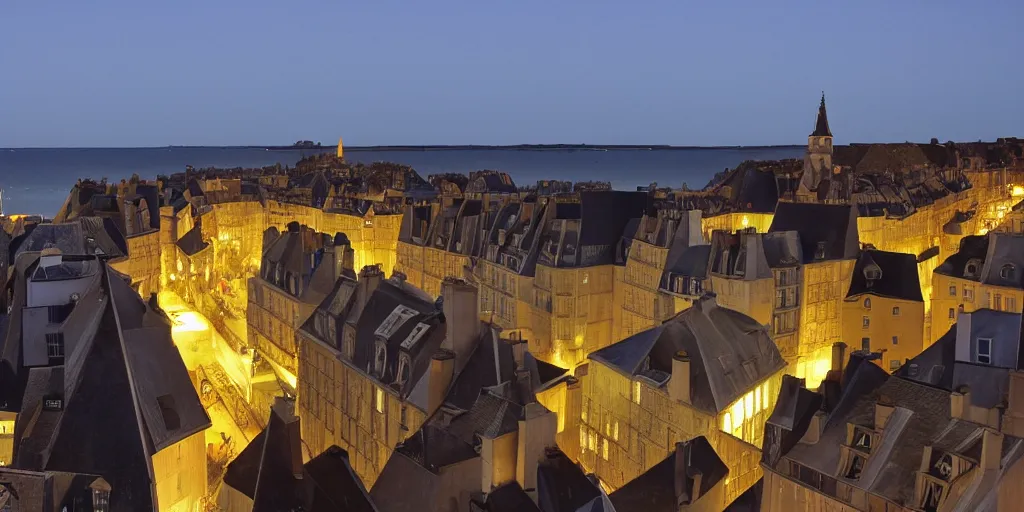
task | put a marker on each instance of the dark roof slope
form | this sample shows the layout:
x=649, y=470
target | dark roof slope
x=191, y=243
x=729, y=353
x=898, y=273
x=827, y=231
x=655, y=489
x=821, y=124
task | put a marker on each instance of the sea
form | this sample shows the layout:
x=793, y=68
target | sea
x=37, y=180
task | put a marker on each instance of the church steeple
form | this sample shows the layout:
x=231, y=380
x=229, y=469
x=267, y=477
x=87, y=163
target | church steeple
x=821, y=127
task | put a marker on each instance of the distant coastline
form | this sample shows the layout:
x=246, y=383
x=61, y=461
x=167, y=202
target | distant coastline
x=467, y=147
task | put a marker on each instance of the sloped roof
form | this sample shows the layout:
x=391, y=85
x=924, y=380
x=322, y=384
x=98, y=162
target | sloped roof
x=655, y=489
x=821, y=123
x=563, y=487
x=729, y=353
x=830, y=227
x=191, y=243
x=899, y=278
x=510, y=497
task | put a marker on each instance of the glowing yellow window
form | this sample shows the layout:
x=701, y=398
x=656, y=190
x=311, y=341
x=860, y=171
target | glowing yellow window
x=592, y=442
x=726, y=422
x=604, y=449
x=636, y=392
x=379, y=402
x=583, y=438
x=583, y=415
x=616, y=431
x=748, y=403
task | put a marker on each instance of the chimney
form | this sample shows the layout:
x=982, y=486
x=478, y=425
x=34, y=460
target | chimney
x=1013, y=419
x=442, y=368
x=813, y=433
x=285, y=409
x=960, y=403
x=991, y=449
x=459, y=301
x=370, y=278
x=707, y=302
x=838, y=356
x=883, y=409
x=679, y=383
x=684, y=492
x=536, y=434
x=344, y=256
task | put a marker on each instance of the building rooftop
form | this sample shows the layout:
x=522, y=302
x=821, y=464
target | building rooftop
x=886, y=274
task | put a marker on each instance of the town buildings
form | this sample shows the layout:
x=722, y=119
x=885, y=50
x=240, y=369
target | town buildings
x=79, y=340
x=709, y=371
x=52, y=491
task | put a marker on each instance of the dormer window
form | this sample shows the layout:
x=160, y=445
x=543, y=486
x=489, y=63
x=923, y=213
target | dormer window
x=380, y=358
x=867, y=302
x=1008, y=272
x=972, y=267
x=862, y=440
x=872, y=273
x=983, y=351
x=819, y=251
x=854, y=467
x=404, y=371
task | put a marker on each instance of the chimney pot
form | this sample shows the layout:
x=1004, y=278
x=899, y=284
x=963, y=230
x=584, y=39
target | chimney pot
x=679, y=382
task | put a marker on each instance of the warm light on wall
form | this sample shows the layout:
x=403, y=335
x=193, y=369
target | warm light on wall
x=189, y=321
x=745, y=222
x=1017, y=191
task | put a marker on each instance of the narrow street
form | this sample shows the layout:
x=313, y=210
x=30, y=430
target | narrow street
x=202, y=348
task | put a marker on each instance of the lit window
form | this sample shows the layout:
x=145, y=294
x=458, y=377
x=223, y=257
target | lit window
x=636, y=392
x=583, y=415
x=748, y=405
x=895, y=311
x=379, y=402
x=592, y=442
x=583, y=438
x=726, y=422
x=894, y=365
x=983, y=352
x=865, y=344
x=952, y=314
x=616, y=431
x=604, y=449
x=866, y=322
x=867, y=303
x=586, y=278
x=952, y=290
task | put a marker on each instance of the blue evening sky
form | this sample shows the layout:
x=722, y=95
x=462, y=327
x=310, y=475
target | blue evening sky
x=222, y=72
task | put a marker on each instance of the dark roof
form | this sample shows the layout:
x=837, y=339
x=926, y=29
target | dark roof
x=898, y=273
x=47, y=491
x=832, y=228
x=729, y=353
x=821, y=124
x=655, y=489
x=125, y=365
x=191, y=243
x=332, y=485
x=749, y=501
x=562, y=486
x=509, y=497
x=241, y=473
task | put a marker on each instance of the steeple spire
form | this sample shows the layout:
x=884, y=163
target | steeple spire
x=821, y=127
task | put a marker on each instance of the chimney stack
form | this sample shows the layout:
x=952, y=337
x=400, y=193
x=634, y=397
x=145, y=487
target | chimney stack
x=838, y=356
x=284, y=408
x=344, y=257
x=459, y=301
x=679, y=383
x=813, y=433
x=991, y=449
x=442, y=368
x=370, y=278
x=536, y=434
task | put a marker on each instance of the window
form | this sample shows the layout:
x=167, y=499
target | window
x=379, y=399
x=55, y=344
x=873, y=273
x=100, y=500
x=867, y=303
x=855, y=466
x=997, y=302
x=1011, y=305
x=866, y=322
x=895, y=311
x=862, y=440
x=865, y=344
x=983, y=351
x=895, y=340
x=968, y=294
x=604, y=449
x=1007, y=271
x=819, y=252
x=952, y=290
x=952, y=314
x=636, y=392
x=894, y=365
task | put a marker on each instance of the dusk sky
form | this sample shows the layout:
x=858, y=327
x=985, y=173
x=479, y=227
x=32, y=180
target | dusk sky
x=106, y=73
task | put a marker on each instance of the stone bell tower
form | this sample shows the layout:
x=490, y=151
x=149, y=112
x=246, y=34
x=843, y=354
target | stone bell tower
x=818, y=159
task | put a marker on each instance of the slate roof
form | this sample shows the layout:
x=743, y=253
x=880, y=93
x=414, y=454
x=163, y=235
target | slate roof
x=563, y=487
x=729, y=353
x=821, y=123
x=921, y=418
x=749, y=501
x=47, y=491
x=191, y=243
x=126, y=365
x=655, y=489
x=899, y=279
x=988, y=255
x=82, y=236
x=830, y=227
x=300, y=252
x=510, y=497
x=592, y=228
